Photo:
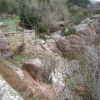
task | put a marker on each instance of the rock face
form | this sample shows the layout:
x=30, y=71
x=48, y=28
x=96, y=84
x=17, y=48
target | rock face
x=5, y=47
x=34, y=67
x=7, y=93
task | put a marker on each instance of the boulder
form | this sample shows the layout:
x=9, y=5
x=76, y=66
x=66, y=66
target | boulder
x=5, y=49
x=63, y=44
x=56, y=36
x=86, y=21
x=75, y=40
x=96, y=16
x=81, y=27
x=35, y=68
x=50, y=45
x=87, y=34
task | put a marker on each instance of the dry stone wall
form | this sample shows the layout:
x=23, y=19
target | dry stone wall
x=17, y=39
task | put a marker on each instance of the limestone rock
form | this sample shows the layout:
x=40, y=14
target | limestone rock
x=5, y=47
x=7, y=92
x=56, y=36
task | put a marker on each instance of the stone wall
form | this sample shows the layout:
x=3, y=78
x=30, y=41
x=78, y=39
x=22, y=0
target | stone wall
x=17, y=39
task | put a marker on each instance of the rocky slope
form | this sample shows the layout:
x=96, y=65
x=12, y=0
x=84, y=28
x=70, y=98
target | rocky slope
x=65, y=68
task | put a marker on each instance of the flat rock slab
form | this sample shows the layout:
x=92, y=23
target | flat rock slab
x=7, y=92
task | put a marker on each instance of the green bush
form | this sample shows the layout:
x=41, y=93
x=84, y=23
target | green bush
x=73, y=10
x=78, y=18
x=97, y=11
x=8, y=6
x=41, y=28
x=70, y=31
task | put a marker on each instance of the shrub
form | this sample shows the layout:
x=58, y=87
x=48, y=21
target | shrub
x=97, y=11
x=78, y=18
x=41, y=28
x=70, y=31
x=73, y=10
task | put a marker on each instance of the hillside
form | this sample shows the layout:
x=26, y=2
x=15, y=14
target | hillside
x=49, y=50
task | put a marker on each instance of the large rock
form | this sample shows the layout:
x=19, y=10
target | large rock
x=5, y=47
x=88, y=33
x=50, y=46
x=75, y=40
x=63, y=44
x=35, y=68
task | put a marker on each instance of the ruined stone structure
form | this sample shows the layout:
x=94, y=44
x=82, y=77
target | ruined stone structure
x=19, y=38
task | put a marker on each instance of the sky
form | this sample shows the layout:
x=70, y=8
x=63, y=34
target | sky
x=94, y=0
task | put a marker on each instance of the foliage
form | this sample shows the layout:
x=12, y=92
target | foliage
x=19, y=57
x=8, y=6
x=78, y=18
x=73, y=10
x=10, y=22
x=41, y=28
x=41, y=11
x=97, y=11
x=81, y=3
x=70, y=31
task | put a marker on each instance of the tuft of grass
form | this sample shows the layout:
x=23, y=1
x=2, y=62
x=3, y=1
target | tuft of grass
x=20, y=57
x=19, y=60
x=10, y=22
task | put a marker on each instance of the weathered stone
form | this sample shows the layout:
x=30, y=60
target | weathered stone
x=63, y=44
x=86, y=21
x=50, y=45
x=88, y=33
x=56, y=36
x=5, y=47
x=75, y=40
x=34, y=67
x=18, y=39
x=7, y=92
x=81, y=27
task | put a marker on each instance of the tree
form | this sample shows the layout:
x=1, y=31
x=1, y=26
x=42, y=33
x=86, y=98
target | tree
x=45, y=11
x=8, y=6
x=82, y=3
x=3, y=6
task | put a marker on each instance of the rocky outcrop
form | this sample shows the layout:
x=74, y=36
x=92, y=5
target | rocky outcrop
x=5, y=49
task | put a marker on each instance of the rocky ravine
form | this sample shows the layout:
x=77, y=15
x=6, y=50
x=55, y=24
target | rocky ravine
x=65, y=69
